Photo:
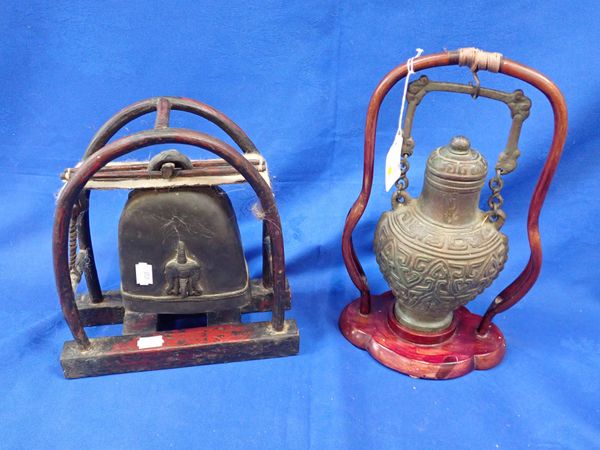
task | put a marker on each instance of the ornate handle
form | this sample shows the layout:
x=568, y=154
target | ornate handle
x=476, y=60
x=519, y=106
x=517, y=102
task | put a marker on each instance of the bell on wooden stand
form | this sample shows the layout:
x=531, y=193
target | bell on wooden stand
x=180, y=251
x=439, y=251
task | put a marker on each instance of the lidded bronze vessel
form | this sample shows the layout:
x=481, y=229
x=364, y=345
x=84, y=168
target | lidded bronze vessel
x=439, y=251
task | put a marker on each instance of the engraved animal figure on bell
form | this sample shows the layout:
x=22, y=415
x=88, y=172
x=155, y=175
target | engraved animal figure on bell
x=183, y=274
x=440, y=251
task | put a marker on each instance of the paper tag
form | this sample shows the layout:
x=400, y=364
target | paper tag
x=150, y=342
x=143, y=274
x=394, y=155
x=392, y=162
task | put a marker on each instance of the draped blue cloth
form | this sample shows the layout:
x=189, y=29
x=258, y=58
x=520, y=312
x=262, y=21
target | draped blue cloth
x=297, y=77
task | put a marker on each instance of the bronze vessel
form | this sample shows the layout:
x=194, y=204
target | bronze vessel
x=439, y=251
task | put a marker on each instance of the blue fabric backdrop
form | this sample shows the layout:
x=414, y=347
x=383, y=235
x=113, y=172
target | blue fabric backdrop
x=297, y=76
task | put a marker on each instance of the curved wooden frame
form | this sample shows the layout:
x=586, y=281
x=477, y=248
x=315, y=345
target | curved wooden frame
x=73, y=191
x=163, y=106
x=521, y=285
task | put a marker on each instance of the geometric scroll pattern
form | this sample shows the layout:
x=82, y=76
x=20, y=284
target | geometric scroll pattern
x=432, y=270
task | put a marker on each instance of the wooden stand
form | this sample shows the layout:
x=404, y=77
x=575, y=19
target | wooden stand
x=451, y=353
x=475, y=343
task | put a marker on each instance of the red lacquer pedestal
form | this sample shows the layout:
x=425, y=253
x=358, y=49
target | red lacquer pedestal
x=451, y=353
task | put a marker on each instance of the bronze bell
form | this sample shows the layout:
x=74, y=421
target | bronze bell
x=438, y=252
x=180, y=249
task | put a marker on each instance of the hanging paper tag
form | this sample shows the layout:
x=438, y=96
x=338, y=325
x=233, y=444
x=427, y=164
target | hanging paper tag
x=394, y=154
x=392, y=162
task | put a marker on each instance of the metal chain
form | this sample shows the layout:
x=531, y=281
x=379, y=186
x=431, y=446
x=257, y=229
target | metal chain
x=402, y=182
x=495, y=201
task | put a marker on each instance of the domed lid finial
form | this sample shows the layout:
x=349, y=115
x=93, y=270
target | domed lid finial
x=460, y=144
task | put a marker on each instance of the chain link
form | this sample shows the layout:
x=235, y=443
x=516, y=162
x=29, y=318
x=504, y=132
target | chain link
x=496, y=200
x=402, y=182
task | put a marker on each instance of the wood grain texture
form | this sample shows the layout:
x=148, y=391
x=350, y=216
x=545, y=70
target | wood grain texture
x=456, y=352
x=135, y=174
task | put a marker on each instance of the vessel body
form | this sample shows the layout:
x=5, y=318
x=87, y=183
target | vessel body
x=439, y=251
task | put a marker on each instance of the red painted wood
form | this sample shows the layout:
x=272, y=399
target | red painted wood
x=462, y=352
x=418, y=337
x=180, y=348
x=527, y=278
x=163, y=113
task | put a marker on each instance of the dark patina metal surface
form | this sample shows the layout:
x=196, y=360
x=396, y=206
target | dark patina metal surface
x=189, y=239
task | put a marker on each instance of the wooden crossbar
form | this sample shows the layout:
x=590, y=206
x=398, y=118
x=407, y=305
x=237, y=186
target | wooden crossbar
x=135, y=174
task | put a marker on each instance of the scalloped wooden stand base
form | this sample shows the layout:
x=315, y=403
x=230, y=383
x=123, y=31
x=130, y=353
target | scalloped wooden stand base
x=448, y=354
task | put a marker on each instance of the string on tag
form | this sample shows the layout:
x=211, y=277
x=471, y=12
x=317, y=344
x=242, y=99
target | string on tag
x=410, y=64
x=394, y=155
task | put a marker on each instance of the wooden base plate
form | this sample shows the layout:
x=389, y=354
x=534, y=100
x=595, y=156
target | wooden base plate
x=458, y=354
x=180, y=348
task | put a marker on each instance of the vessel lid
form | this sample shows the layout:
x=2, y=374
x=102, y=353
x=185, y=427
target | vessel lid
x=458, y=161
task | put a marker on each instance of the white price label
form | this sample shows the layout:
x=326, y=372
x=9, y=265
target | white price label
x=143, y=274
x=150, y=342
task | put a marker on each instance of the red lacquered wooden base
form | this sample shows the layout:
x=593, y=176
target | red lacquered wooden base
x=451, y=353
x=180, y=348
